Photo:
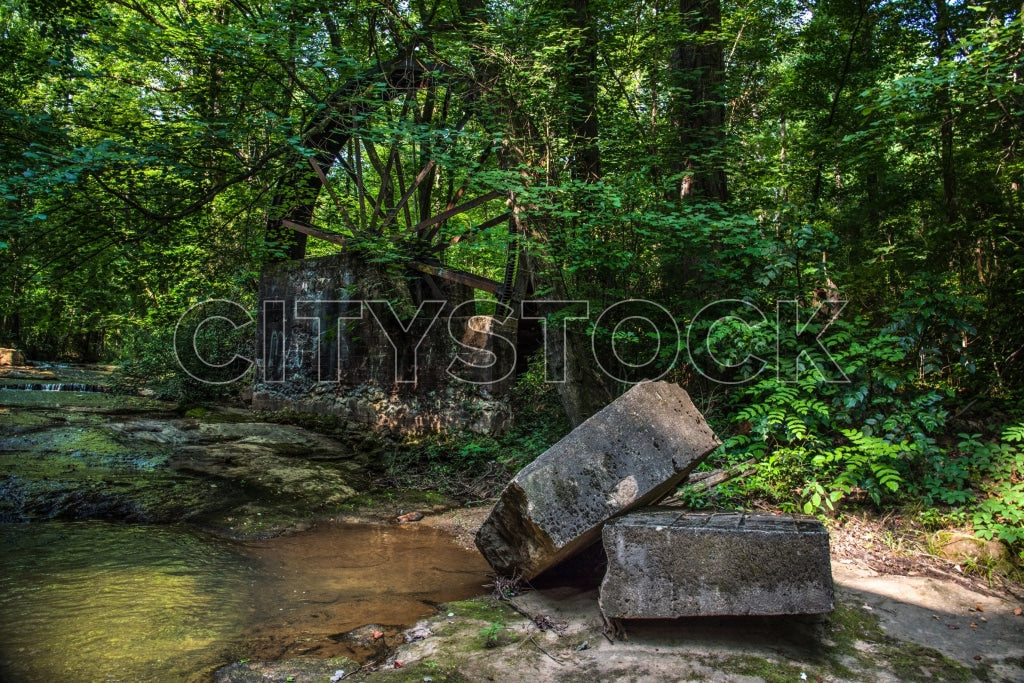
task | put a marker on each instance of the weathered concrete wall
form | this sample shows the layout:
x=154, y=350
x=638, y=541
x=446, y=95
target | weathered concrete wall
x=664, y=563
x=629, y=454
x=411, y=361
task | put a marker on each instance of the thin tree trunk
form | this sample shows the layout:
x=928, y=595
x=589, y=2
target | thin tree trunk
x=944, y=102
x=582, y=87
x=698, y=110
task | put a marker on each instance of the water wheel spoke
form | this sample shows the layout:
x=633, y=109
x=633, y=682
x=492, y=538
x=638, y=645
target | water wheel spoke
x=462, y=277
x=445, y=215
x=385, y=198
x=401, y=191
x=384, y=173
x=406, y=195
x=359, y=184
x=313, y=231
x=423, y=174
x=425, y=116
x=330, y=190
x=475, y=230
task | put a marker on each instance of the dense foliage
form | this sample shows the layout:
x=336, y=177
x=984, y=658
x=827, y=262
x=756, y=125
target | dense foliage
x=771, y=159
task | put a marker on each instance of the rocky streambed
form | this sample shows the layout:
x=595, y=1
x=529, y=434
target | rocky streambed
x=90, y=455
x=146, y=543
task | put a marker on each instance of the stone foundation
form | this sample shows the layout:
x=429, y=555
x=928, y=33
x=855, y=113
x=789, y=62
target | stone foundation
x=381, y=347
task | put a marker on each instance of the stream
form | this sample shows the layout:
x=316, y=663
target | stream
x=138, y=545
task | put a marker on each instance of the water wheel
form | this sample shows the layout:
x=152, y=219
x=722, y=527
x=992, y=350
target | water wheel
x=402, y=161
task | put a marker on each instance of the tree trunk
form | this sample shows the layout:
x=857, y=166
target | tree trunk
x=582, y=88
x=698, y=110
x=582, y=387
x=944, y=102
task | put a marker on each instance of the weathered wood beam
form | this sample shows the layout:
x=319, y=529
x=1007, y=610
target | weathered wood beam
x=497, y=220
x=445, y=215
x=460, y=276
x=306, y=229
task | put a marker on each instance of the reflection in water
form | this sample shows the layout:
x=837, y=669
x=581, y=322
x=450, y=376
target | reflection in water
x=334, y=578
x=91, y=601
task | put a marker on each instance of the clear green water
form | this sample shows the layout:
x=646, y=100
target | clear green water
x=97, y=601
x=93, y=601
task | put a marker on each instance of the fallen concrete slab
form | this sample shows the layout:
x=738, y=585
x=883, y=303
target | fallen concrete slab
x=628, y=455
x=664, y=563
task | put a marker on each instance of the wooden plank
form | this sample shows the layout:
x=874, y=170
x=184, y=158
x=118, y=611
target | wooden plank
x=460, y=276
x=332, y=237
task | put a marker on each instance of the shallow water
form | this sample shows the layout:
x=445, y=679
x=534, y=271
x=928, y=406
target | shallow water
x=317, y=585
x=94, y=601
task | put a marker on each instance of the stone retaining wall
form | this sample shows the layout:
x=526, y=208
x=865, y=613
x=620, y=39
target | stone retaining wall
x=380, y=346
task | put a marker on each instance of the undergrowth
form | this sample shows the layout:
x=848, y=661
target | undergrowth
x=864, y=422
x=473, y=467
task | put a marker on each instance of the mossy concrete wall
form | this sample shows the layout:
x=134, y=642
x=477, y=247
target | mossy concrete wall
x=323, y=348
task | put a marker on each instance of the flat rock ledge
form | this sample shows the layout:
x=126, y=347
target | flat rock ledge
x=664, y=564
x=630, y=454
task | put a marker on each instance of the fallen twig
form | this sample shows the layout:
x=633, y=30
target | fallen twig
x=705, y=481
x=555, y=659
x=613, y=627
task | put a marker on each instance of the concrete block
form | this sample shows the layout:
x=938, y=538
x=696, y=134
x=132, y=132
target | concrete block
x=12, y=357
x=628, y=455
x=665, y=563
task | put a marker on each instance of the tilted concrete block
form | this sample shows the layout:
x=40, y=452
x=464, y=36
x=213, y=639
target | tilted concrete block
x=666, y=563
x=629, y=454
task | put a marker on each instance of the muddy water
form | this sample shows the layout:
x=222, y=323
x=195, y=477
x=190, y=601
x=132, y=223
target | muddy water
x=320, y=584
x=93, y=601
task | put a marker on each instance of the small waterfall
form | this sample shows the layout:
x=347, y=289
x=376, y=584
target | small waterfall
x=59, y=386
